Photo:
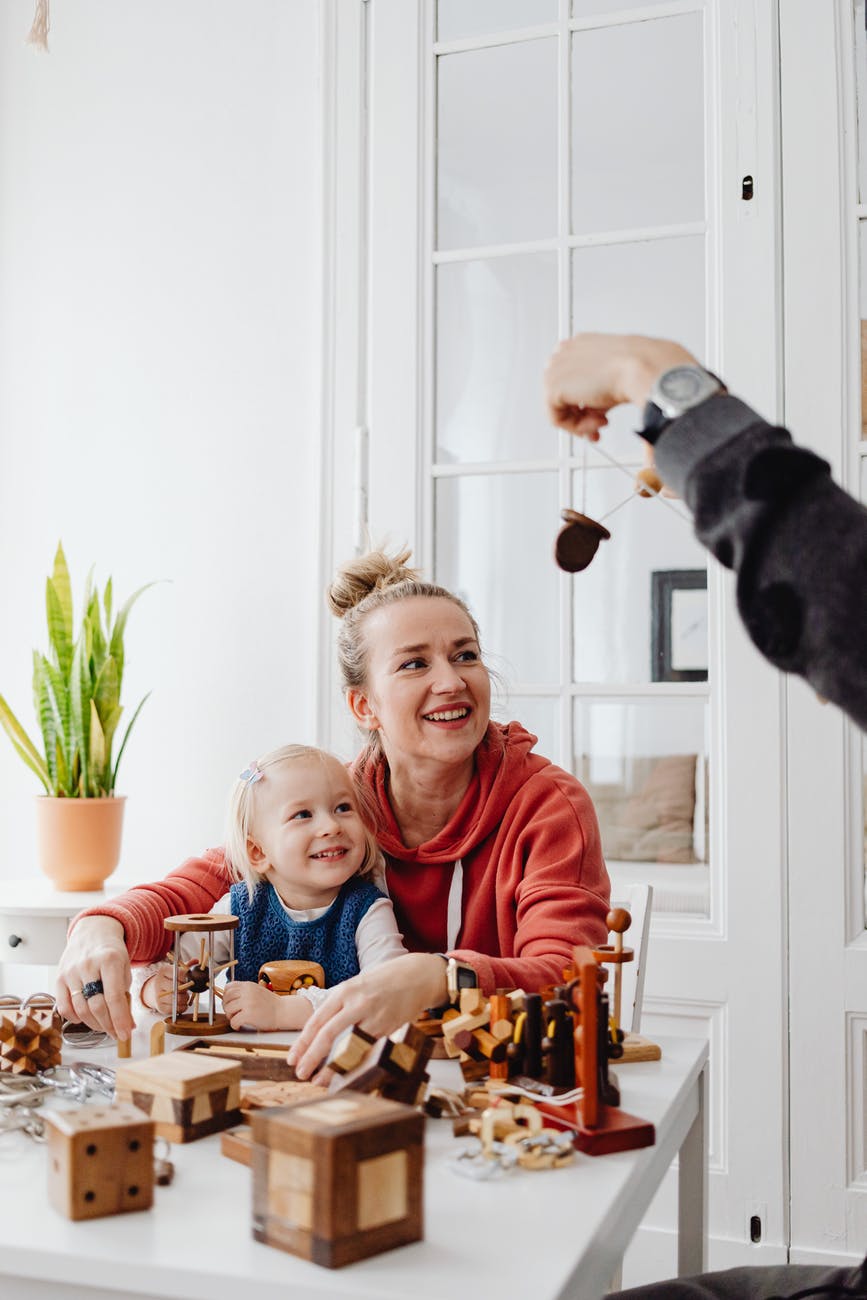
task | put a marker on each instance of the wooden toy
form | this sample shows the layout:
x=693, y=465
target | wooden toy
x=258, y=1060
x=600, y=1125
x=286, y=977
x=30, y=1035
x=578, y=541
x=614, y=954
x=237, y=1144
x=198, y=977
x=100, y=1161
x=633, y=1047
x=390, y=1067
x=338, y=1180
x=188, y=1096
x=259, y=1096
x=124, y=1046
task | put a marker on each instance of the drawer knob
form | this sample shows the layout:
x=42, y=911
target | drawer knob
x=14, y=940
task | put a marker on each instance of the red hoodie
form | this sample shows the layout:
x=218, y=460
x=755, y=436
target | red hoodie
x=534, y=882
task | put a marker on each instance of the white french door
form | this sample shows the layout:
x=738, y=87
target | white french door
x=825, y=221
x=516, y=170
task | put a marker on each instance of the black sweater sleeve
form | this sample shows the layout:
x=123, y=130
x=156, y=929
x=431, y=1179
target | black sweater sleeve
x=798, y=543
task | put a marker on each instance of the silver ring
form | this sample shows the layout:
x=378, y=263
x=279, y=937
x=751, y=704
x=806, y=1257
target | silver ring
x=91, y=989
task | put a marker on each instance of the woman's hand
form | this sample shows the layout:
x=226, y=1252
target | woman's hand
x=253, y=1006
x=589, y=373
x=379, y=1001
x=96, y=950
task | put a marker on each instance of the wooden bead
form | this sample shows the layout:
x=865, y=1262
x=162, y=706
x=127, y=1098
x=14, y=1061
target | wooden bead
x=618, y=920
x=647, y=482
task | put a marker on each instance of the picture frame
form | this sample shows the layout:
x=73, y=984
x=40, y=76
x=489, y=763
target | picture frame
x=678, y=634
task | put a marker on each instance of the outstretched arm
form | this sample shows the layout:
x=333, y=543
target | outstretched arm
x=103, y=941
x=763, y=506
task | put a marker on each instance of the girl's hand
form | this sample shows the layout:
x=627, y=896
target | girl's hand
x=379, y=1000
x=156, y=992
x=96, y=950
x=254, y=1006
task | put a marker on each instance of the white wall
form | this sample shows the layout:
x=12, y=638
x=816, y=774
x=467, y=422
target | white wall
x=159, y=327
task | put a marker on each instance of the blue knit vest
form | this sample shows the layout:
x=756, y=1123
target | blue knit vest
x=267, y=933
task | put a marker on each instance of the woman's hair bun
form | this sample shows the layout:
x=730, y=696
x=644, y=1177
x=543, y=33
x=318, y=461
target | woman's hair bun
x=371, y=572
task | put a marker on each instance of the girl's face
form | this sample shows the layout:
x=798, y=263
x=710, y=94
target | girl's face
x=307, y=835
x=427, y=692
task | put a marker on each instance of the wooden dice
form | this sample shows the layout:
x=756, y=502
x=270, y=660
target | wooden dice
x=339, y=1179
x=100, y=1161
x=187, y=1095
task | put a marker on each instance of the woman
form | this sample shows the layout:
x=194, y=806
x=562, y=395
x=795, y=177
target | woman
x=492, y=853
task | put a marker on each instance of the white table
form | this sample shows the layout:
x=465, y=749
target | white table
x=560, y=1233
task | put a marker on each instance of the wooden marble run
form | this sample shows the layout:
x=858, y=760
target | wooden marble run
x=193, y=979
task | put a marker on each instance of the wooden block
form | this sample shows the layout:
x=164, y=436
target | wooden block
x=30, y=1040
x=260, y=1096
x=637, y=1048
x=100, y=1161
x=237, y=1144
x=350, y=1050
x=339, y=1179
x=187, y=1095
x=257, y=1060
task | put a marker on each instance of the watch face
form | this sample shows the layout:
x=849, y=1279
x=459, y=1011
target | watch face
x=685, y=385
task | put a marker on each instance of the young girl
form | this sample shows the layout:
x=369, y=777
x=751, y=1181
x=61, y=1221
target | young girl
x=304, y=862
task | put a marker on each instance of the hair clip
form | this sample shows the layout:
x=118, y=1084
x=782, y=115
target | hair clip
x=251, y=774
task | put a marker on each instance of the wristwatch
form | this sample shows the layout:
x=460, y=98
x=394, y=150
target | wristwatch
x=458, y=976
x=676, y=391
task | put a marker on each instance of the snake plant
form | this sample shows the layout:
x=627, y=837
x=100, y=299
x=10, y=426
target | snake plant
x=76, y=692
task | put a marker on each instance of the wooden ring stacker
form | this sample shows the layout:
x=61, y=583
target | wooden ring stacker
x=578, y=542
x=618, y=920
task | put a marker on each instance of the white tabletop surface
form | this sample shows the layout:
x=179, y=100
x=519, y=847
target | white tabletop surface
x=529, y=1234
x=22, y=897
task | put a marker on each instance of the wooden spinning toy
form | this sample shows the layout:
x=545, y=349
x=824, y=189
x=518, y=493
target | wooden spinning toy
x=198, y=977
x=30, y=1038
x=578, y=541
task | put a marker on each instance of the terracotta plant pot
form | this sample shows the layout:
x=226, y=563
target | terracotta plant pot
x=79, y=840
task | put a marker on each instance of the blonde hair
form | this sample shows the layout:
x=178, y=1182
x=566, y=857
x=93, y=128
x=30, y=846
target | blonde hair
x=366, y=584
x=239, y=822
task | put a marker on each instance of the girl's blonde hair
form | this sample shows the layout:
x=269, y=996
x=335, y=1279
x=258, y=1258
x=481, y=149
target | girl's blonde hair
x=240, y=819
x=367, y=584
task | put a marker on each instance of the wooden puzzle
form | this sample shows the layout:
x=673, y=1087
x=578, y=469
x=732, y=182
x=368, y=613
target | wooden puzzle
x=187, y=1096
x=196, y=978
x=30, y=1036
x=100, y=1161
x=339, y=1179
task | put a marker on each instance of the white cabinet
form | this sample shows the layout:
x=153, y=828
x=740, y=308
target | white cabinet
x=34, y=919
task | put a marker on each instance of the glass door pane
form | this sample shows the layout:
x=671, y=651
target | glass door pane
x=497, y=151
x=638, y=168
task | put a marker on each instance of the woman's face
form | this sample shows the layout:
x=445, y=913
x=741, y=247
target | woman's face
x=427, y=691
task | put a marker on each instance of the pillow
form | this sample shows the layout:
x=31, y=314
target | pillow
x=655, y=824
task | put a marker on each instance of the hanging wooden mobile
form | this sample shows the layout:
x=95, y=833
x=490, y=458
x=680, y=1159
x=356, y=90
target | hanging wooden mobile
x=198, y=976
x=578, y=542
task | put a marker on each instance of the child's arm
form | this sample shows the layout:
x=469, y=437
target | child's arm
x=252, y=1006
x=377, y=938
